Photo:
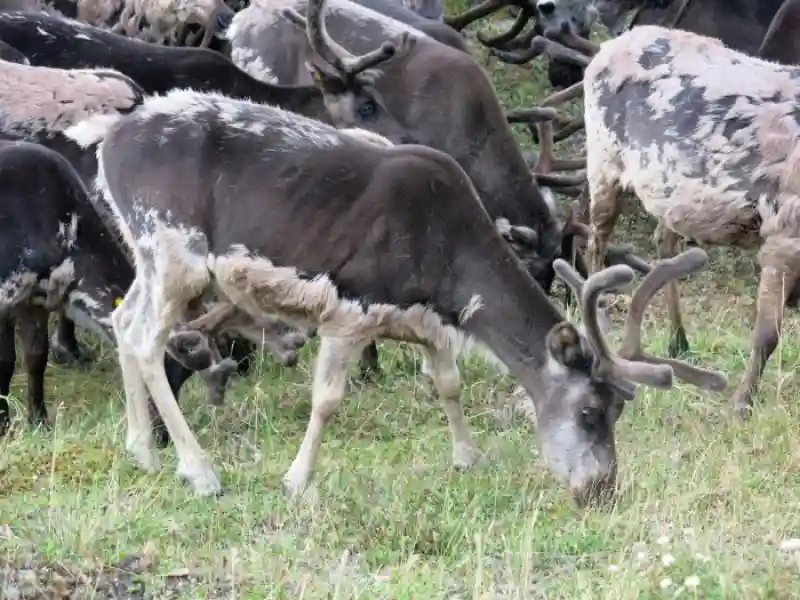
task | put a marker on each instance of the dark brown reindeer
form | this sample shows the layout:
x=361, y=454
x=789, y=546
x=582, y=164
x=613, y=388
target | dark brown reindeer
x=739, y=24
x=707, y=138
x=404, y=250
x=264, y=39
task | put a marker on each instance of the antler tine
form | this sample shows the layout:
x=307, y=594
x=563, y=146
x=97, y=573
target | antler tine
x=532, y=115
x=339, y=58
x=295, y=17
x=559, y=51
x=560, y=181
x=458, y=22
x=571, y=93
x=624, y=255
x=503, y=38
x=569, y=164
x=581, y=44
x=662, y=273
x=544, y=164
x=517, y=57
x=569, y=276
x=386, y=51
x=319, y=39
x=609, y=364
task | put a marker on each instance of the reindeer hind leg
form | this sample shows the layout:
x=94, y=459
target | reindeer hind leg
x=780, y=273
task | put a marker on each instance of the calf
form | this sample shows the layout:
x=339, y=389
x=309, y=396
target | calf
x=707, y=138
x=781, y=42
x=404, y=250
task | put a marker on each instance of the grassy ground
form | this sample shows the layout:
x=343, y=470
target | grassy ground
x=706, y=502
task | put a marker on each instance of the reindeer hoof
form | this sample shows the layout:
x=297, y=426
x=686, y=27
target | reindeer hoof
x=466, y=456
x=161, y=437
x=743, y=410
x=5, y=424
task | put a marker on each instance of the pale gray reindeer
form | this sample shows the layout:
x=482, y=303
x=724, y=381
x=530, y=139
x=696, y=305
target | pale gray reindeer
x=404, y=249
x=707, y=138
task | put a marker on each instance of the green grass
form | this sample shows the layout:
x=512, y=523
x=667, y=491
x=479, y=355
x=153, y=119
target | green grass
x=704, y=500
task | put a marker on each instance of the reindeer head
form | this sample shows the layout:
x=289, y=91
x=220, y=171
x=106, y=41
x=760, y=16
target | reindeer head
x=560, y=17
x=586, y=384
x=347, y=82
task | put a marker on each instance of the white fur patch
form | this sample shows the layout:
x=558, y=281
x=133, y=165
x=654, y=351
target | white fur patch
x=92, y=130
x=250, y=61
x=37, y=99
x=191, y=106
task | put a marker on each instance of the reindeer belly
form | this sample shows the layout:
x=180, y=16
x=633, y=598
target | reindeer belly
x=727, y=219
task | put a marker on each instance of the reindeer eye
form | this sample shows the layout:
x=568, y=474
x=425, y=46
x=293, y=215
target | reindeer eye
x=367, y=109
x=592, y=418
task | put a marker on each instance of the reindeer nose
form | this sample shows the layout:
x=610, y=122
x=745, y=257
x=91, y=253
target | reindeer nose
x=598, y=492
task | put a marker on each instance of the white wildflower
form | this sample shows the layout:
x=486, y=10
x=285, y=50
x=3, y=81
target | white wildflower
x=663, y=540
x=791, y=545
x=667, y=560
x=613, y=568
x=692, y=581
x=665, y=583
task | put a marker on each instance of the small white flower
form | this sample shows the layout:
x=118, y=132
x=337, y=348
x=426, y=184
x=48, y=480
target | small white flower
x=701, y=557
x=791, y=545
x=692, y=581
x=688, y=532
x=665, y=583
x=613, y=568
x=641, y=557
x=667, y=560
x=663, y=540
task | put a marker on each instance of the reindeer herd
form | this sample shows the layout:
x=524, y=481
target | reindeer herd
x=196, y=182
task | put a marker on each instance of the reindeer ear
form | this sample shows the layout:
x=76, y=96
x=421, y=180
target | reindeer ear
x=567, y=347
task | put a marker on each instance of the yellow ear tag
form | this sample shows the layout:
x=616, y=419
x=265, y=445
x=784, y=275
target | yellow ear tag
x=117, y=301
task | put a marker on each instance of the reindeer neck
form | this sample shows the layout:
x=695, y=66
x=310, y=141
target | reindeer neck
x=301, y=99
x=514, y=317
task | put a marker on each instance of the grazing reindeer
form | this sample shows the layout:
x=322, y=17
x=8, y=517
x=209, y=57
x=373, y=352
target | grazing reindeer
x=707, y=139
x=416, y=88
x=404, y=250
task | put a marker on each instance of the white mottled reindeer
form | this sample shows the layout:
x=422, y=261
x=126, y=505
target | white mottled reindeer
x=709, y=140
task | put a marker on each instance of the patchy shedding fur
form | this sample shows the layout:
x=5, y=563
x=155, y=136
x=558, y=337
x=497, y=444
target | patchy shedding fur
x=167, y=17
x=708, y=138
x=40, y=99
